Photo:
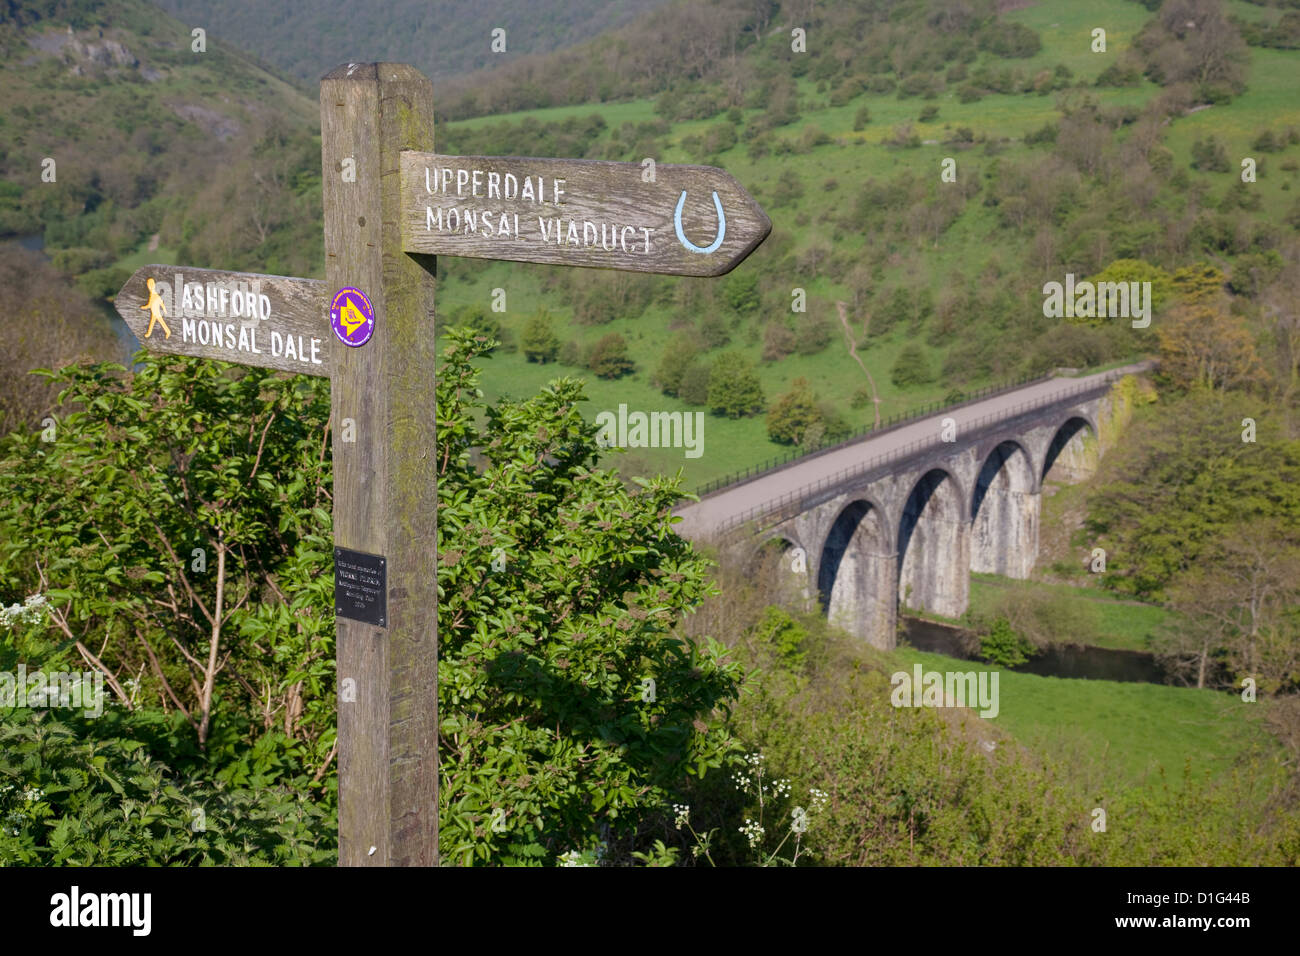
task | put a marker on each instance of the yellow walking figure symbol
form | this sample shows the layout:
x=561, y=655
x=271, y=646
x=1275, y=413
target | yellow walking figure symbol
x=156, y=309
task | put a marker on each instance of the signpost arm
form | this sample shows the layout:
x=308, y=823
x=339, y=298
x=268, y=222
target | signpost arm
x=385, y=468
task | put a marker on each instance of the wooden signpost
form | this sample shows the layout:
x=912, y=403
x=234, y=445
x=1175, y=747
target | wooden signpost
x=674, y=220
x=392, y=204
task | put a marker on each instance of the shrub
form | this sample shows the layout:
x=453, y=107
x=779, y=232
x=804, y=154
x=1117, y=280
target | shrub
x=694, y=389
x=741, y=291
x=608, y=357
x=778, y=340
x=1001, y=645
x=793, y=414
x=788, y=189
x=734, y=388
x=911, y=367
x=1209, y=155
x=677, y=359
x=813, y=336
x=540, y=343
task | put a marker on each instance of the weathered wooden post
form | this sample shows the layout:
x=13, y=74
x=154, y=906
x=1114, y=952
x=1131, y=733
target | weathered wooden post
x=385, y=470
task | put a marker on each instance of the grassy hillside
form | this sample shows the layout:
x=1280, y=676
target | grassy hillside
x=1066, y=160
x=1132, y=731
x=209, y=152
x=442, y=39
x=952, y=270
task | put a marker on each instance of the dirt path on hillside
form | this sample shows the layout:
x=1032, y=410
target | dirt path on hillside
x=841, y=307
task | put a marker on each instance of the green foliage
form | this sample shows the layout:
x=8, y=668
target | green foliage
x=813, y=335
x=542, y=666
x=1208, y=155
x=1182, y=479
x=788, y=189
x=88, y=792
x=486, y=325
x=544, y=724
x=695, y=384
x=1002, y=645
x=540, y=343
x=1136, y=270
x=174, y=510
x=609, y=358
x=734, y=388
x=793, y=414
x=1010, y=39
x=741, y=291
x=911, y=367
x=785, y=635
x=677, y=359
x=713, y=331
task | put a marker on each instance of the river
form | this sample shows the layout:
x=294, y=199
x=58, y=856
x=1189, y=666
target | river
x=1060, y=660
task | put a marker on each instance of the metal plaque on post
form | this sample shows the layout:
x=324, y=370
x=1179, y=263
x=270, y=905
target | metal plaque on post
x=361, y=586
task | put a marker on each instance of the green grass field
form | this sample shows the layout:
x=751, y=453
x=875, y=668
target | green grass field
x=1129, y=730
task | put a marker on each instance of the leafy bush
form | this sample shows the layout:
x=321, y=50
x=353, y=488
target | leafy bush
x=609, y=358
x=792, y=414
x=734, y=388
x=911, y=367
x=1002, y=645
x=540, y=342
x=542, y=665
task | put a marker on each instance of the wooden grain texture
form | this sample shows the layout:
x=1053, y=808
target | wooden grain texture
x=638, y=217
x=286, y=325
x=385, y=491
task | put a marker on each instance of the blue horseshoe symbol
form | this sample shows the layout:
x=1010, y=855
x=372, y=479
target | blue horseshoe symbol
x=681, y=236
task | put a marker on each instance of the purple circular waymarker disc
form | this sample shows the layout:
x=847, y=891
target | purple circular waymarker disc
x=352, y=317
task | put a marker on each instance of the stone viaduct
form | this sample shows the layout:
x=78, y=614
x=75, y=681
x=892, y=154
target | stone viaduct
x=904, y=516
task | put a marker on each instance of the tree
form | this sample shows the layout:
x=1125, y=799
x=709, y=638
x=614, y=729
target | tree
x=788, y=189
x=1237, y=607
x=1183, y=479
x=609, y=358
x=778, y=340
x=678, y=357
x=813, y=335
x=792, y=414
x=1201, y=347
x=911, y=367
x=540, y=342
x=734, y=388
x=485, y=325
x=741, y=291
x=1136, y=270
x=695, y=384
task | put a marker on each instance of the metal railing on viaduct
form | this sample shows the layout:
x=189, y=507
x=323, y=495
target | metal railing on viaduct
x=807, y=496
